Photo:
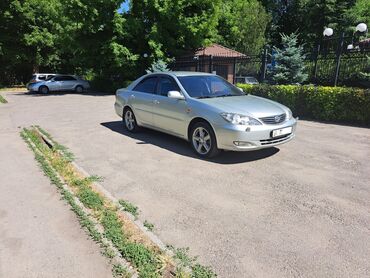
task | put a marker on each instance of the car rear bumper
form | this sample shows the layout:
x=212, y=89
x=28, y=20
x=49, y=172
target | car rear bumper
x=243, y=138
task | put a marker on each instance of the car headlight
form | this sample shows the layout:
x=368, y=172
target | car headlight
x=238, y=119
x=289, y=114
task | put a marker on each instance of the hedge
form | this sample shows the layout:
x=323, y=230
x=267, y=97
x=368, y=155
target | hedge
x=336, y=104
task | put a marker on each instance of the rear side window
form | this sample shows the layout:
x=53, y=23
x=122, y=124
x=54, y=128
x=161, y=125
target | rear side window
x=166, y=85
x=148, y=85
x=42, y=77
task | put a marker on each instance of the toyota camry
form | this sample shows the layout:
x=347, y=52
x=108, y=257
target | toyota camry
x=206, y=110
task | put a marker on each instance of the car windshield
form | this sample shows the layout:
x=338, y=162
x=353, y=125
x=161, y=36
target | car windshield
x=208, y=86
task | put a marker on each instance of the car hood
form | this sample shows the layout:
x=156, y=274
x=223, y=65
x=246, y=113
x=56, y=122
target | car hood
x=247, y=105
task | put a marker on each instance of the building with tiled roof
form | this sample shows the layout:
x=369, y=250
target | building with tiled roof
x=214, y=58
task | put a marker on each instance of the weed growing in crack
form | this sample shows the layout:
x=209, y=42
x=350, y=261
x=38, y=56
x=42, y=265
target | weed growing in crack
x=120, y=272
x=55, y=161
x=2, y=99
x=130, y=208
x=148, y=225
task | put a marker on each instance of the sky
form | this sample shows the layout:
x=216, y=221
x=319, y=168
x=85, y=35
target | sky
x=124, y=7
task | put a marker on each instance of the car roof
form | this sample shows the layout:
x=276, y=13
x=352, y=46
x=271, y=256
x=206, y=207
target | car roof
x=183, y=73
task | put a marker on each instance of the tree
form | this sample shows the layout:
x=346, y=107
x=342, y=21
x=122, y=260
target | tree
x=28, y=33
x=321, y=14
x=158, y=66
x=170, y=28
x=360, y=12
x=96, y=39
x=242, y=25
x=289, y=60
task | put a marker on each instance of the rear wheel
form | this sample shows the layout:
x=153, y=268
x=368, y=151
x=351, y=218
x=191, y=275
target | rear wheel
x=203, y=140
x=79, y=89
x=43, y=90
x=129, y=120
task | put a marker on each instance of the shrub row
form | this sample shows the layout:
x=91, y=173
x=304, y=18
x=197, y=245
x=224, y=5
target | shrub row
x=337, y=104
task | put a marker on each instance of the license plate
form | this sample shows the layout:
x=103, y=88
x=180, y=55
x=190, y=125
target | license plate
x=282, y=131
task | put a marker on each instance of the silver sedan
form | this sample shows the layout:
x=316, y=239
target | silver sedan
x=59, y=83
x=205, y=110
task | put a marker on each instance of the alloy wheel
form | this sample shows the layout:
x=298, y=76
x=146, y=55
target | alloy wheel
x=130, y=120
x=202, y=140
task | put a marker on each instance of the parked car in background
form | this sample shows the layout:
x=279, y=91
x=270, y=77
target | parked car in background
x=246, y=80
x=37, y=77
x=59, y=82
x=205, y=110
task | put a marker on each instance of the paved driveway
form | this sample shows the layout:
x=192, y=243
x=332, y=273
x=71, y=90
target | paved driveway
x=299, y=210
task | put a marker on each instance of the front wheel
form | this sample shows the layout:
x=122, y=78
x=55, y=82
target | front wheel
x=79, y=89
x=130, y=120
x=203, y=140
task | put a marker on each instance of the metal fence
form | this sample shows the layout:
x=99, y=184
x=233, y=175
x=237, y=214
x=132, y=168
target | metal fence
x=323, y=68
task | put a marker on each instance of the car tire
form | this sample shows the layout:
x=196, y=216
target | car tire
x=203, y=140
x=43, y=90
x=79, y=89
x=129, y=120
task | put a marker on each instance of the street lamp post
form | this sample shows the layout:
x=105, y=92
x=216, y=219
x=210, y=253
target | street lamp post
x=339, y=54
x=328, y=32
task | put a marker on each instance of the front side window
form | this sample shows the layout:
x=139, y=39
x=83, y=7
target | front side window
x=166, y=85
x=68, y=78
x=148, y=85
x=208, y=86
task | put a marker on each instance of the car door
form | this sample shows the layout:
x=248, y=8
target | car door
x=67, y=83
x=141, y=100
x=169, y=114
x=54, y=84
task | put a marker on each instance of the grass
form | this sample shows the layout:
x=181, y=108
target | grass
x=19, y=88
x=130, y=208
x=2, y=99
x=148, y=261
x=186, y=261
x=120, y=272
x=148, y=225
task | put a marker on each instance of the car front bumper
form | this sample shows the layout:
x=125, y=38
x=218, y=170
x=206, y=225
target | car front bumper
x=249, y=138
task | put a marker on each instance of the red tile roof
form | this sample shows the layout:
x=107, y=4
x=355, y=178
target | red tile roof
x=218, y=50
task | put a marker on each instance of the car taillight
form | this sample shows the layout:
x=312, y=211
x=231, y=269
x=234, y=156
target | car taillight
x=33, y=81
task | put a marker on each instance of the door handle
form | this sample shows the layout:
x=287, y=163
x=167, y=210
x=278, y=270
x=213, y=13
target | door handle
x=132, y=96
x=155, y=101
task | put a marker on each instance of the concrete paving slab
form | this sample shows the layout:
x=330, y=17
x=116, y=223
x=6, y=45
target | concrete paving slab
x=39, y=235
x=300, y=210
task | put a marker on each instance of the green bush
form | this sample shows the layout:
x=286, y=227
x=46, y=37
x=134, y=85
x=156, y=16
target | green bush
x=337, y=104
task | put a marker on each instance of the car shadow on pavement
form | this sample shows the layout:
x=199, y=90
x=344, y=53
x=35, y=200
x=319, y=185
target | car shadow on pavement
x=180, y=146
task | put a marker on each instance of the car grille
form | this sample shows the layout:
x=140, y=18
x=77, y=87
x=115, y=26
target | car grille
x=274, y=120
x=275, y=140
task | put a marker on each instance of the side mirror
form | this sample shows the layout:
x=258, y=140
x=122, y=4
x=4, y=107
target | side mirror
x=175, y=95
x=240, y=89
